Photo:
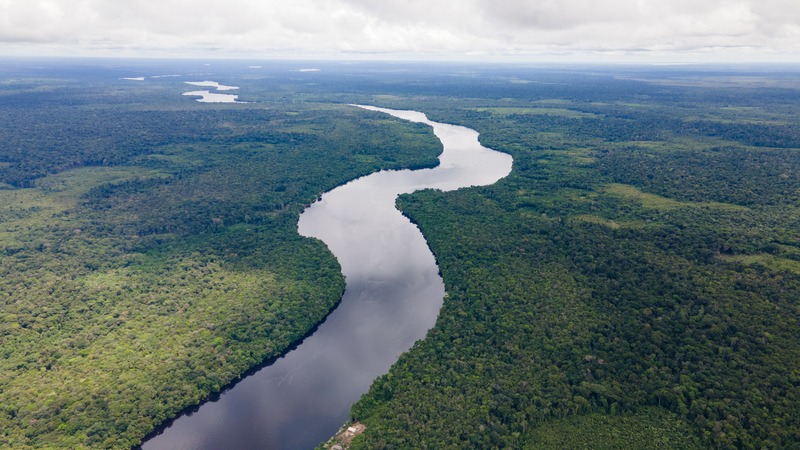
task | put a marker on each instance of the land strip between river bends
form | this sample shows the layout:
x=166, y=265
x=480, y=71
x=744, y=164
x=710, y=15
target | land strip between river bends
x=151, y=256
x=393, y=296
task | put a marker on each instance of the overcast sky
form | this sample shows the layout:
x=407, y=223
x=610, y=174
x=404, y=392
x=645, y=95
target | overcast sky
x=605, y=30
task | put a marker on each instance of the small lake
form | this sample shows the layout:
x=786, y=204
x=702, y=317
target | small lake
x=213, y=97
x=393, y=296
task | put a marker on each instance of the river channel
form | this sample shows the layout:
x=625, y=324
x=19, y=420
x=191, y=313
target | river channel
x=393, y=296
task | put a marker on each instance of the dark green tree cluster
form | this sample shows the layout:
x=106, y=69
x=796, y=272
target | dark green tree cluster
x=634, y=283
x=632, y=280
x=150, y=254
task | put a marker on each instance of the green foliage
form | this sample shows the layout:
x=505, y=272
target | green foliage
x=608, y=276
x=643, y=430
x=150, y=253
x=637, y=271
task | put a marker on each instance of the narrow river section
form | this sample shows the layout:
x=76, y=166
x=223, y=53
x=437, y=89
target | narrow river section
x=393, y=296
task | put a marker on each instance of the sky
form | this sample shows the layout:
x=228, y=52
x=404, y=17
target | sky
x=505, y=30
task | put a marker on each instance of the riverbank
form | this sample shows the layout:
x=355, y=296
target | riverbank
x=344, y=437
x=393, y=296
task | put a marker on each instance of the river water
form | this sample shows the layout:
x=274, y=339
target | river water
x=393, y=296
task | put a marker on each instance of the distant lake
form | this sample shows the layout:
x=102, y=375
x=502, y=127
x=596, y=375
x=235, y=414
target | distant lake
x=393, y=296
x=213, y=97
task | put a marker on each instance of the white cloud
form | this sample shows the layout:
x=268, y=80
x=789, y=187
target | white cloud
x=403, y=27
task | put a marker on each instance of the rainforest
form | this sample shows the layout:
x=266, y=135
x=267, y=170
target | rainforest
x=634, y=282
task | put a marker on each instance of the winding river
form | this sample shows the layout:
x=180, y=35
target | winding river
x=393, y=296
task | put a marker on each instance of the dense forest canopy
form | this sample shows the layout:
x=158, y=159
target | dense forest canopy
x=638, y=272
x=642, y=254
x=150, y=253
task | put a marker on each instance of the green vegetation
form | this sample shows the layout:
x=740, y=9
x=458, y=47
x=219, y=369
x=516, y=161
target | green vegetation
x=648, y=429
x=632, y=282
x=150, y=253
x=652, y=201
x=564, y=112
x=770, y=261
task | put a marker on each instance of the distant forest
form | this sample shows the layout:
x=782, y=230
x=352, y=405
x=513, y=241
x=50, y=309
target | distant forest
x=633, y=283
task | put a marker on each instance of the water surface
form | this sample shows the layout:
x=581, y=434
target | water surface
x=213, y=97
x=393, y=296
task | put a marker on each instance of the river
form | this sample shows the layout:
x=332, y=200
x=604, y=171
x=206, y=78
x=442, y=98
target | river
x=393, y=296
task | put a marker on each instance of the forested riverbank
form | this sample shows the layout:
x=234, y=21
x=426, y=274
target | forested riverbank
x=637, y=271
x=392, y=298
x=150, y=246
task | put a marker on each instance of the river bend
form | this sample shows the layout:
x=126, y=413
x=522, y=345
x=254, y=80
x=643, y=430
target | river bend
x=392, y=298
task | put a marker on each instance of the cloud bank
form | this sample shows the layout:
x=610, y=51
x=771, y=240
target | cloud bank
x=454, y=29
